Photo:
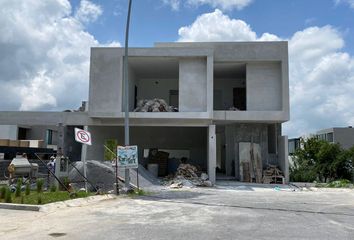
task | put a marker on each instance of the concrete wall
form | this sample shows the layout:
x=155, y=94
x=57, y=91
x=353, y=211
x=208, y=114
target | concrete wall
x=283, y=156
x=40, y=133
x=344, y=136
x=264, y=86
x=236, y=133
x=8, y=132
x=225, y=87
x=193, y=85
x=105, y=92
x=212, y=153
x=156, y=88
x=72, y=149
x=132, y=83
x=188, y=138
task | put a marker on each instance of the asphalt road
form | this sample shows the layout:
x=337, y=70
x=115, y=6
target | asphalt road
x=222, y=213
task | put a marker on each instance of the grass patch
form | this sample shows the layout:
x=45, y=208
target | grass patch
x=343, y=183
x=36, y=198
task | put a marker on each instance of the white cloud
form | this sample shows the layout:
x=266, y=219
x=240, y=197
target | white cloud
x=350, y=3
x=216, y=26
x=222, y=4
x=174, y=4
x=321, y=74
x=88, y=11
x=45, y=52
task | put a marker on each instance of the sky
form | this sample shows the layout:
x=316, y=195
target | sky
x=45, y=47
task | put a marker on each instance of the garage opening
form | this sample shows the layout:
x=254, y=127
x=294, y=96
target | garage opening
x=165, y=146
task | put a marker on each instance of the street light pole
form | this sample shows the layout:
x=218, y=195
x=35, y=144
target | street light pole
x=126, y=94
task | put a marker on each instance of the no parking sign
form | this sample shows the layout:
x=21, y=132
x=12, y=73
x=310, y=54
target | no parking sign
x=82, y=136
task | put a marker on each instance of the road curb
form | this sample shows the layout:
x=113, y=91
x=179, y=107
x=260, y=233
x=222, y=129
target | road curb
x=24, y=207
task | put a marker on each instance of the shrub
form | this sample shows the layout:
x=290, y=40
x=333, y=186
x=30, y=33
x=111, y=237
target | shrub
x=39, y=199
x=8, y=198
x=2, y=192
x=18, y=188
x=22, y=199
x=342, y=183
x=27, y=189
x=39, y=184
x=53, y=188
x=66, y=182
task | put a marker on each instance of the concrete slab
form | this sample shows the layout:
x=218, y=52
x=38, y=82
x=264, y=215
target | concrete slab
x=199, y=214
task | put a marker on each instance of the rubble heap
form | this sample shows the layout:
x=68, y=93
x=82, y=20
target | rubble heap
x=273, y=175
x=187, y=176
x=154, y=105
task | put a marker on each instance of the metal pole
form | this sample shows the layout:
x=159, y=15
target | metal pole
x=137, y=177
x=83, y=159
x=126, y=95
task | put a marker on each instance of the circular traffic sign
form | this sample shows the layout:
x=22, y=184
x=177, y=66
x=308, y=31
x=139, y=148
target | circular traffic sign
x=83, y=136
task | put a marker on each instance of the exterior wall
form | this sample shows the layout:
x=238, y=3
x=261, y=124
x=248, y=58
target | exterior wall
x=236, y=133
x=283, y=156
x=264, y=87
x=212, y=153
x=132, y=83
x=40, y=133
x=188, y=138
x=344, y=136
x=72, y=149
x=105, y=92
x=193, y=85
x=8, y=132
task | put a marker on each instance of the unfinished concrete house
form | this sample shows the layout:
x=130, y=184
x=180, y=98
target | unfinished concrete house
x=219, y=106
x=220, y=97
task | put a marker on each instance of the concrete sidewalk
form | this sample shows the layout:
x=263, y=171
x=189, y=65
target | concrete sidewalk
x=198, y=213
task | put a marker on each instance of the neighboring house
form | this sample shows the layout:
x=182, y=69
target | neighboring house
x=38, y=136
x=225, y=93
x=342, y=135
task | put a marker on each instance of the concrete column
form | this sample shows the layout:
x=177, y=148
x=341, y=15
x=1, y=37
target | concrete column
x=61, y=139
x=211, y=153
x=283, y=156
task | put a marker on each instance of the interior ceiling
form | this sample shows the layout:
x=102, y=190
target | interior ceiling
x=168, y=67
x=229, y=70
x=155, y=67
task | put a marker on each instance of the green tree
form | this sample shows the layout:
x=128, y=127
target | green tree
x=322, y=161
x=328, y=158
x=111, y=144
x=305, y=159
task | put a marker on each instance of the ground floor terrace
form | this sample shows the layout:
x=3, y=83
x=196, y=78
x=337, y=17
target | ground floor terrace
x=218, y=150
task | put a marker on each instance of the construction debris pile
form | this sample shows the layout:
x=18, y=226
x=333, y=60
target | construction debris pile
x=187, y=176
x=273, y=175
x=154, y=105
